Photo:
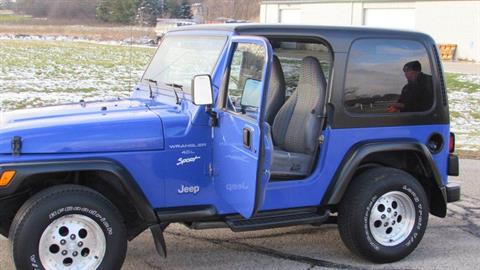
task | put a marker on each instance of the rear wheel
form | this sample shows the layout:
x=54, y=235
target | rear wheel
x=68, y=227
x=383, y=215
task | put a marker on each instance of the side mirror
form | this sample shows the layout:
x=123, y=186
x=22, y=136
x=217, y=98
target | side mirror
x=202, y=92
x=251, y=93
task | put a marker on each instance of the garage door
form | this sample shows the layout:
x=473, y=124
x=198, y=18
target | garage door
x=399, y=18
x=290, y=16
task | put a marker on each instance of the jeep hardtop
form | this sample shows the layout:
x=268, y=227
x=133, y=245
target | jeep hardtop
x=247, y=127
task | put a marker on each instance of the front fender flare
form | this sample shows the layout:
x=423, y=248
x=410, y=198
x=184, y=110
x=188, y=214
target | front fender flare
x=127, y=182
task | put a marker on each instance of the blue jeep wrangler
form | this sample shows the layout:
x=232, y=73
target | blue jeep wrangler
x=247, y=127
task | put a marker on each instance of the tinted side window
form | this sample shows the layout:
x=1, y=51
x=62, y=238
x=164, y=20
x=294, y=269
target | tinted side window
x=388, y=76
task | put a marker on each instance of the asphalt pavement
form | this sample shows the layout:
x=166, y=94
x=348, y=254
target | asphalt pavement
x=449, y=243
x=461, y=67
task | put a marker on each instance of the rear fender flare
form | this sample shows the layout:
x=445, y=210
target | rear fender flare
x=345, y=172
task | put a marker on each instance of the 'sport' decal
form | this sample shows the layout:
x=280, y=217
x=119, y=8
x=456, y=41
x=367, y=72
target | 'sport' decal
x=182, y=161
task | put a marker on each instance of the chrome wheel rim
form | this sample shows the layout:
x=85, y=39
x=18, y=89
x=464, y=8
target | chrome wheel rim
x=72, y=242
x=392, y=218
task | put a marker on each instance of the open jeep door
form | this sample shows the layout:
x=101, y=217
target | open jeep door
x=241, y=151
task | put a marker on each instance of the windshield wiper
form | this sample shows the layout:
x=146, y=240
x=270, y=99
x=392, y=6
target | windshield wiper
x=175, y=87
x=150, y=86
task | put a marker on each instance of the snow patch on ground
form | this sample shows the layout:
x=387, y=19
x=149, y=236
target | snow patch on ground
x=47, y=72
x=135, y=41
x=470, y=78
x=465, y=118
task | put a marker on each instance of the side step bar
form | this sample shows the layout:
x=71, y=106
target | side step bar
x=268, y=220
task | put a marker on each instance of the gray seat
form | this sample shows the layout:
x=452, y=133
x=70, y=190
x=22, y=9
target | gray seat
x=276, y=91
x=297, y=124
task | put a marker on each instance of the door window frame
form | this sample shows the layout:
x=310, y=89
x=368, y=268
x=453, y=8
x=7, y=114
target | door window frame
x=222, y=101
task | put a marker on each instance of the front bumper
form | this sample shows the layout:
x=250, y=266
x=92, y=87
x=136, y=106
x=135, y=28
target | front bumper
x=453, y=192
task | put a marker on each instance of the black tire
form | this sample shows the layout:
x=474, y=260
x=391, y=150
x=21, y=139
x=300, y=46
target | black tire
x=67, y=201
x=356, y=206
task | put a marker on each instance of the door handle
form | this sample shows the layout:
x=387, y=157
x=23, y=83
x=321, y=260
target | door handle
x=247, y=138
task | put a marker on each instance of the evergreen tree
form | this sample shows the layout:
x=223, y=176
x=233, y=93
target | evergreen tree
x=117, y=11
x=171, y=8
x=185, y=10
x=4, y=4
x=148, y=11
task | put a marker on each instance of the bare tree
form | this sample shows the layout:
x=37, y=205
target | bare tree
x=58, y=8
x=235, y=9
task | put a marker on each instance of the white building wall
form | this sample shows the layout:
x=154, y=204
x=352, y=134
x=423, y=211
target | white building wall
x=456, y=22
x=269, y=13
x=327, y=14
x=452, y=22
x=357, y=13
x=321, y=14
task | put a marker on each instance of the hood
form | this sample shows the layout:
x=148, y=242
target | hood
x=126, y=125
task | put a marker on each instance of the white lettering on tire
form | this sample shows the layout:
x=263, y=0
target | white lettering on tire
x=91, y=212
x=365, y=223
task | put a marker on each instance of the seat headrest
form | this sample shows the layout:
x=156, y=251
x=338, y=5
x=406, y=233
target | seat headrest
x=312, y=73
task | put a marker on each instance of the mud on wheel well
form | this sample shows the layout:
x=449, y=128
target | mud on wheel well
x=101, y=181
x=415, y=164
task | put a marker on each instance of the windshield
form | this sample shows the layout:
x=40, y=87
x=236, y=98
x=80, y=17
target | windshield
x=180, y=58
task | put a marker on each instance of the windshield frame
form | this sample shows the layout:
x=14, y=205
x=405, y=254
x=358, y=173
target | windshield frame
x=193, y=34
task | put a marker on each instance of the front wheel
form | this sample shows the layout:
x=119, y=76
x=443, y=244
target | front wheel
x=68, y=227
x=383, y=215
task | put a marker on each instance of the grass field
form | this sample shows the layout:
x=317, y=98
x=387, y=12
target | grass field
x=36, y=73
x=12, y=18
x=90, y=32
x=464, y=101
x=90, y=29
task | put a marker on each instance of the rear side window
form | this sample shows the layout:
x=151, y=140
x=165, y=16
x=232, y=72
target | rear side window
x=388, y=76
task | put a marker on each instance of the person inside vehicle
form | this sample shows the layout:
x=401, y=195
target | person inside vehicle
x=417, y=94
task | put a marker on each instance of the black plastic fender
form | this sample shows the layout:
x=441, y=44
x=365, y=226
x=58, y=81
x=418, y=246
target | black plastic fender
x=126, y=182
x=354, y=157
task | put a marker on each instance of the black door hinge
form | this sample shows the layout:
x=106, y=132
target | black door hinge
x=213, y=122
x=213, y=119
x=16, y=145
